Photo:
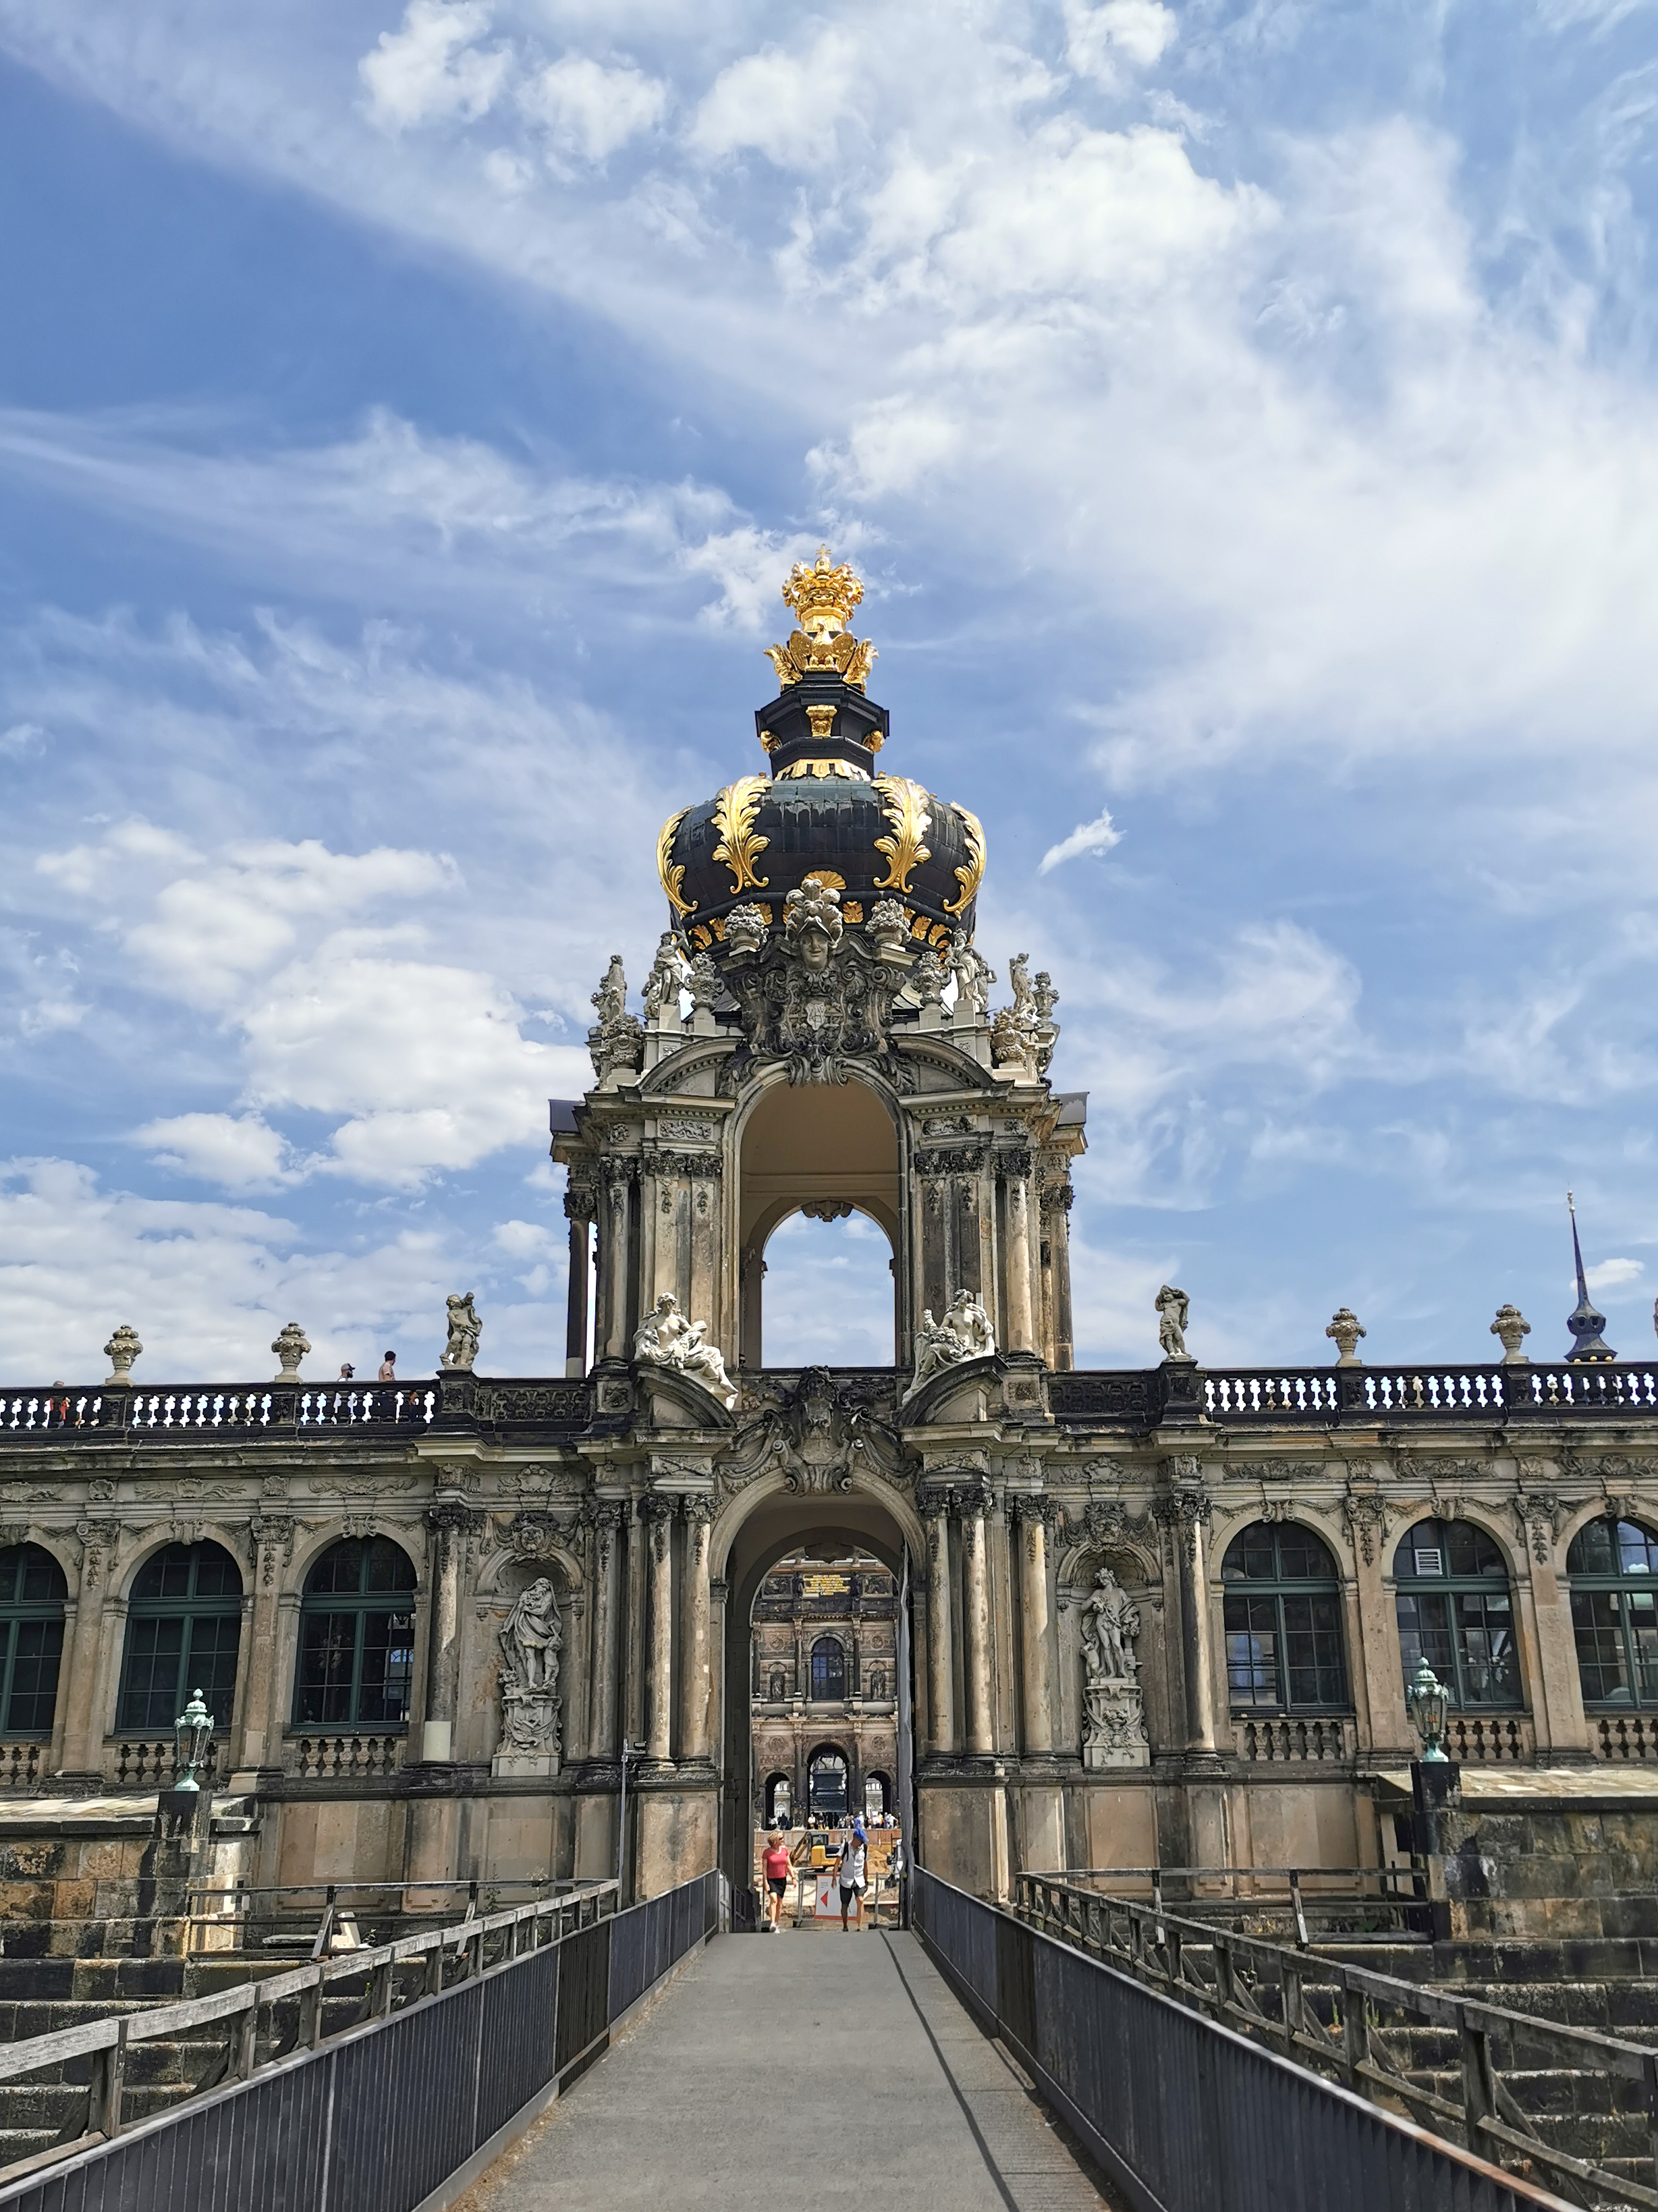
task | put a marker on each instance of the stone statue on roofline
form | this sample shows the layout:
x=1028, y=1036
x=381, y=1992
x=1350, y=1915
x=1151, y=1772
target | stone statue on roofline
x=1172, y=1308
x=667, y=1339
x=465, y=1332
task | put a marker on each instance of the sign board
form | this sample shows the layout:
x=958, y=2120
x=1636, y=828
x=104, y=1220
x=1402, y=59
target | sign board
x=828, y=1900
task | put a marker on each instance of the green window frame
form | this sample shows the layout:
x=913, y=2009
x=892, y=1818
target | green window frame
x=1611, y=1571
x=184, y=1631
x=357, y=1658
x=1281, y=1613
x=1455, y=1608
x=32, y=1588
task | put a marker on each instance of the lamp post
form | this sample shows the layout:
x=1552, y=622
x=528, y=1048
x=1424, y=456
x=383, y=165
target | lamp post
x=191, y=1732
x=1426, y=1701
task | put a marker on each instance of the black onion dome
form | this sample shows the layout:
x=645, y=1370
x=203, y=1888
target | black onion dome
x=824, y=805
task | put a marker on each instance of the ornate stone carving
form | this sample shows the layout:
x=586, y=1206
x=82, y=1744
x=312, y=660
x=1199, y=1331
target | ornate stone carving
x=530, y=1535
x=121, y=1351
x=460, y=1353
x=1024, y=1034
x=965, y=1333
x=1173, y=1308
x=99, y=1542
x=1367, y=1517
x=270, y=1544
x=746, y=930
x=827, y=1209
x=1512, y=1327
x=812, y=923
x=667, y=1339
x=818, y=997
x=617, y=1038
x=1541, y=1515
x=888, y=925
x=1287, y=1470
x=1344, y=1330
x=1113, y=1705
x=290, y=1345
x=1183, y=1513
x=531, y=1643
x=973, y=975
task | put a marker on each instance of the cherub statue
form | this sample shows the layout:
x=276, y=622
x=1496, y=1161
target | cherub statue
x=1111, y=1621
x=1172, y=1306
x=465, y=1330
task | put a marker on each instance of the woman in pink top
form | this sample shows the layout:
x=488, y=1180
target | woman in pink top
x=775, y=1862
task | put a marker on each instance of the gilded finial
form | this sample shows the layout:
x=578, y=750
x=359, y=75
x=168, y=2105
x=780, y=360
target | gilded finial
x=824, y=598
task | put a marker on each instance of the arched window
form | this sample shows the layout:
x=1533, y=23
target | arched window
x=777, y=1800
x=1456, y=1611
x=1281, y=1612
x=828, y=1670
x=1614, y=1567
x=32, y=1594
x=356, y=1637
x=184, y=1624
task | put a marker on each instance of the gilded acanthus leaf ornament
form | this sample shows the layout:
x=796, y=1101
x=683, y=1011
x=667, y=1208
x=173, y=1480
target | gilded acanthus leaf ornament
x=733, y=818
x=904, y=803
x=672, y=878
x=972, y=875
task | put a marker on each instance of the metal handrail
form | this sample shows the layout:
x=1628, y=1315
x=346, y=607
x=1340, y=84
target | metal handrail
x=107, y=2040
x=1157, y=1946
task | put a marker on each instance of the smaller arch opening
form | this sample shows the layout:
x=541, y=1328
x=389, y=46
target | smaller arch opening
x=828, y=1786
x=778, y=1792
x=878, y=1799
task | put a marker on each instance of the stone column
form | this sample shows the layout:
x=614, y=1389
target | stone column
x=272, y=1543
x=452, y=1526
x=932, y=1198
x=579, y=1210
x=975, y=1621
x=1021, y=1333
x=1376, y=1653
x=1056, y=1201
x=940, y=1686
x=84, y=1723
x=1186, y=1512
x=1035, y=1626
x=696, y=1672
x=657, y=1513
x=605, y=1666
x=614, y=1241
x=703, y=1285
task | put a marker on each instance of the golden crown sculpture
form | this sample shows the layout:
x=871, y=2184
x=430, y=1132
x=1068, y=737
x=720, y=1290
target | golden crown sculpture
x=823, y=597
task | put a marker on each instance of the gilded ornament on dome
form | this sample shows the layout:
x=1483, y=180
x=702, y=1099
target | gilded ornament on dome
x=973, y=874
x=818, y=768
x=904, y=802
x=673, y=877
x=733, y=818
x=823, y=722
x=830, y=879
x=823, y=597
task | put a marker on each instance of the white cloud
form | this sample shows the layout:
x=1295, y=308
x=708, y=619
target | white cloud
x=1110, y=41
x=429, y=69
x=592, y=110
x=1613, y=1274
x=1098, y=835
x=239, y=1151
x=785, y=105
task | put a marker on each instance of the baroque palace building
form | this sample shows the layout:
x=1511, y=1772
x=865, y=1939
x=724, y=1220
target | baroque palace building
x=1151, y=1616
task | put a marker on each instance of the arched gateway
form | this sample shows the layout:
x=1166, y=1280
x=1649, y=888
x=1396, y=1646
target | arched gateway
x=818, y=1038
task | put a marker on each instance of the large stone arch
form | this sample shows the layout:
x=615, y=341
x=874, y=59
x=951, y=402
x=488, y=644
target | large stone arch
x=766, y=1519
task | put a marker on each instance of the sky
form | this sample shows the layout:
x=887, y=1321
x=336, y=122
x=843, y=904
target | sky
x=1243, y=414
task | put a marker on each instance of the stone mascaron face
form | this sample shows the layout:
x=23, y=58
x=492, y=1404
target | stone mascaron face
x=825, y=809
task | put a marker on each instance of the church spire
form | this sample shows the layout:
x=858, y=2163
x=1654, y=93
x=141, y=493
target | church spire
x=1588, y=1346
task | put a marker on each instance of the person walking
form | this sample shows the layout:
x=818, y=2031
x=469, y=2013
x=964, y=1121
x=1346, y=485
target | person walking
x=854, y=1858
x=776, y=1864
x=388, y=1368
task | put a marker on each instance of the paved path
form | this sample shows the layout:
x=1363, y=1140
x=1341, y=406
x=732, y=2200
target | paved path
x=796, y=2070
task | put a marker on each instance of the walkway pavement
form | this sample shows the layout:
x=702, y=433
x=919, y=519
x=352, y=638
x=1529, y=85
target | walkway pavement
x=797, y=2071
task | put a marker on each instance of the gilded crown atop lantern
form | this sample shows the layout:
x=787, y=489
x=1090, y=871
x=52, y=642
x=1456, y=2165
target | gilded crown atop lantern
x=823, y=596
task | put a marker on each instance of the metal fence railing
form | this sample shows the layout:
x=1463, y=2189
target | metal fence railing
x=451, y=2040
x=1453, y=2061
x=1184, y=2113
x=1301, y=1905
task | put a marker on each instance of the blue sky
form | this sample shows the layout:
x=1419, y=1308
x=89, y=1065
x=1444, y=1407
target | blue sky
x=1244, y=418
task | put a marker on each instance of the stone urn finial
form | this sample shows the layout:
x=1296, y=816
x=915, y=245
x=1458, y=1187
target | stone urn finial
x=121, y=1351
x=290, y=1347
x=1514, y=1328
x=1344, y=1331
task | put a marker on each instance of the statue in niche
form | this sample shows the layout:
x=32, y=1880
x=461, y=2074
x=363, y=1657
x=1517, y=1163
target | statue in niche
x=965, y=1333
x=1172, y=1308
x=667, y=1339
x=531, y=1643
x=1113, y=1704
x=465, y=1332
